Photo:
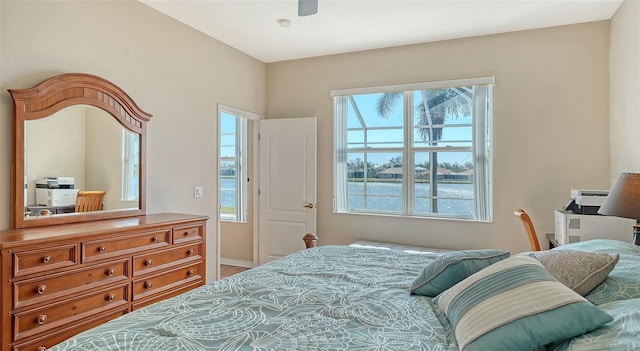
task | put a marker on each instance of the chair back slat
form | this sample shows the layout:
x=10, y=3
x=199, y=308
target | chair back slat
x=87, y=201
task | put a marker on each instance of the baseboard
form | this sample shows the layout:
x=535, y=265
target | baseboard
x=237, y=263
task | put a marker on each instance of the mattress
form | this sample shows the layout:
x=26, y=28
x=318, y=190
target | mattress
x=340, y=298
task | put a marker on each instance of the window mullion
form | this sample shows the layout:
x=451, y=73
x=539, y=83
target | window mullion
x=238, y=166
x=444, y=148
x=242, y=175
x=408, y=181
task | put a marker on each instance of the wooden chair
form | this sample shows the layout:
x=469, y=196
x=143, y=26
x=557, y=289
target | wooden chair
x=89, y=200
x=528, y=227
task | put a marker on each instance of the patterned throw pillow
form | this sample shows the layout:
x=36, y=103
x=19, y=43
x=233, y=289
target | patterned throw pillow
x=451, y=268
x=516, y=304
x=579, y=270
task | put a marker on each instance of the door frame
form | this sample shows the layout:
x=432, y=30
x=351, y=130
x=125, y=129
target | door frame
x=256, y=188
x=254, y=122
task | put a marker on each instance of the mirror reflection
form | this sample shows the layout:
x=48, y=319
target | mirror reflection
x=80, y=159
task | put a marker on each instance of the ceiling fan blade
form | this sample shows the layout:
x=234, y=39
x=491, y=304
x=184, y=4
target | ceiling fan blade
x=307, y=7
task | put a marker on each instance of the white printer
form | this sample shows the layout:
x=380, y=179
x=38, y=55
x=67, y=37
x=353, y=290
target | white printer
x=56, y=191
x=579, y=221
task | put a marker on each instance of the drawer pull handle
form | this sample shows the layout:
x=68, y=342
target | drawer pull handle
x=46, y=259
x=186, y=233
x=154, y=239
x=190, y=252
x=148, y=262
x=102, y=249
x=111, y=272
x=41, y=289
x=41, y=348
x=111, y=297
x=41, y=319
x=148, y=285
x=190, y=272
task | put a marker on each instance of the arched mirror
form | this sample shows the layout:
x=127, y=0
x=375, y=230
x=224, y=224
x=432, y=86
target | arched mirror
x=79, y=152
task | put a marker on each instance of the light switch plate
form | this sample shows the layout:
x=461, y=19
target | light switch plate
x=198, y=191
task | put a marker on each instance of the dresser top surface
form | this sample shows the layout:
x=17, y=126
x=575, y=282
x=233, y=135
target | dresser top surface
x=12, y=237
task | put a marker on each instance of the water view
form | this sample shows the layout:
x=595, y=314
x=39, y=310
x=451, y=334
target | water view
x=455, y=198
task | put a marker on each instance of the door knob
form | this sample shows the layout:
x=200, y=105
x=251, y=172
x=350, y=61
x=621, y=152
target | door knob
x=309, y=205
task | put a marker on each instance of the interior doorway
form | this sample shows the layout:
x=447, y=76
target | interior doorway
x=237, y=188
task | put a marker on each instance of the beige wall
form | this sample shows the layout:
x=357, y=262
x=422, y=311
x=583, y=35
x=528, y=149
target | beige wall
x=104, y=158
x=172, y=71
x=624, y=93
x=55, y=147
x=550, y=125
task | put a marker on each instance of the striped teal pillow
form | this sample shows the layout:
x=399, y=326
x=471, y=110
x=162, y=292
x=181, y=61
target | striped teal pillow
x=451, y=268
x=516, y=304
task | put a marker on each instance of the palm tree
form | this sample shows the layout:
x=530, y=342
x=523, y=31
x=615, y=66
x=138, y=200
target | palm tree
x=433, y=108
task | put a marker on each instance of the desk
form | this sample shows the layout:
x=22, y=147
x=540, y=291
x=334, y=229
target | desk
x=34, y=210
x=552, y=240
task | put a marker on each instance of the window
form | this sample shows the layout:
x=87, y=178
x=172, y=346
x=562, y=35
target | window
x=131, y=166
x=415, y=150
x=232, y=165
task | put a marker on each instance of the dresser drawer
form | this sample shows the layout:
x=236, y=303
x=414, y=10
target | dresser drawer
x=36, y=290
x=41, y=320
x=154, y=261
x=188, y=233
x=138, y=304
x=160, y=283
x=48, y=341
x=106, y=248
x=43, y=260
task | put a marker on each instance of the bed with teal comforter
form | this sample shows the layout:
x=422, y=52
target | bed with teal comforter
x=340, y=298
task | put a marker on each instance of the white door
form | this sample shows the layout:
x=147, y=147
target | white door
x=287, y=187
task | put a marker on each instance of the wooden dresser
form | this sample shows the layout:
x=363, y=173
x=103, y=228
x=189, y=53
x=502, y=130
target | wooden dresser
x=62, y=279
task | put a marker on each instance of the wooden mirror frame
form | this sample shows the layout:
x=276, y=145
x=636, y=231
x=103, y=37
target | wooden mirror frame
x=53, y=95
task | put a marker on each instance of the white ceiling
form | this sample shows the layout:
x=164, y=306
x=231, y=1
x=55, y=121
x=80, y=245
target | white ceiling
x=352, y=25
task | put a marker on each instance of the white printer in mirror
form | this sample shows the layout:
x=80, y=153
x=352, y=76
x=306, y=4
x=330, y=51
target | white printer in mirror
x=579, y=221
x=56, y=191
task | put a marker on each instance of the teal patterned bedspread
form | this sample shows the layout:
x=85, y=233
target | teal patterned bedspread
x=326, y=298
x=340, y=298
x=618, y=295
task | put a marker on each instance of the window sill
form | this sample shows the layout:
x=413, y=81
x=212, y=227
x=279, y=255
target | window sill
x=406, y=216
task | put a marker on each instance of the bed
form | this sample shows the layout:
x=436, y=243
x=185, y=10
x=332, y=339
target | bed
x=344, y=298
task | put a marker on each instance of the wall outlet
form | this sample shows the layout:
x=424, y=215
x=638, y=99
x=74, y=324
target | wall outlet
x=198, y=191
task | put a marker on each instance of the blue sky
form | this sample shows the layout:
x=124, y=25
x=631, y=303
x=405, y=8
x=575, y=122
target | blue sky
x=367, y=107
x=227, y=125
x=366, y=104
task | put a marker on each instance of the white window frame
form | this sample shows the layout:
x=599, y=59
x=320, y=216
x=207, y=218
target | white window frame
x=130, y=154
x=481, y=148
x=241, y=159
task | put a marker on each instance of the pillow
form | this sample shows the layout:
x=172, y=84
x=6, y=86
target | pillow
x=516, y=304
x=451, y=268
x=579, y=270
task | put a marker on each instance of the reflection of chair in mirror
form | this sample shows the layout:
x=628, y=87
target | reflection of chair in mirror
x=89, y=200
